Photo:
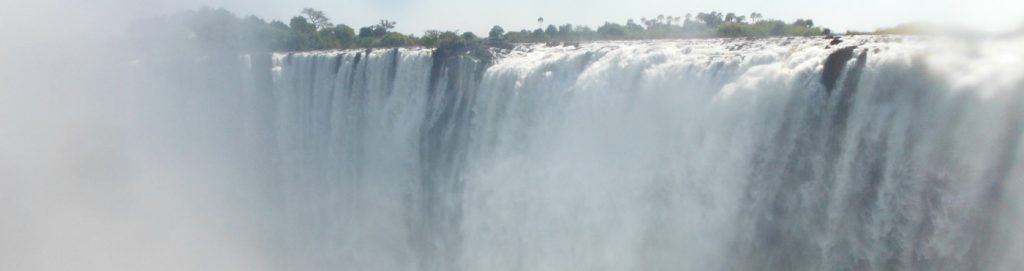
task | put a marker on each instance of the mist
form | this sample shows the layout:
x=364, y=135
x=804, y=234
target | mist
x=95, y=173
x=121, y=151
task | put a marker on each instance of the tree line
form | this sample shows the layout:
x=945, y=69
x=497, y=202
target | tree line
x=702, y=25
x=312, y=29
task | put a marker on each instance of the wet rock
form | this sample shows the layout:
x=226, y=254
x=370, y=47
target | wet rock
x=834, y=65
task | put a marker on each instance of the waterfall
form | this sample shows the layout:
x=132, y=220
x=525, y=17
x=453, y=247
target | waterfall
x=881, y=153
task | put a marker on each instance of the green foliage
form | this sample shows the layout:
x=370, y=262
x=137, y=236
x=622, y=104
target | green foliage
x=730, y=30
x=496, y=33
x=456, y=45
x=341, y=36
x=432, y=38
x=612, y=30
x=539, y=35
x=219, y=30
x=551, y=31
x=299, y=24
x=366, y=32
x=317, y=18
x=712, y=19
x=395, y=39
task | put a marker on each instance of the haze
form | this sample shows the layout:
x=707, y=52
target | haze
x=415, y=16
x=102, y=171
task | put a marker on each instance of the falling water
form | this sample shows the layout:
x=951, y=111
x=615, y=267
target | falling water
x=879, y=153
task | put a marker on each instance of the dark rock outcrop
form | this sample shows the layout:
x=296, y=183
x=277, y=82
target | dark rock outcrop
x=834, y=65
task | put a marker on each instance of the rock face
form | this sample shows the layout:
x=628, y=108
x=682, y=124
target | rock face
x=834, y=65
x=835, y=41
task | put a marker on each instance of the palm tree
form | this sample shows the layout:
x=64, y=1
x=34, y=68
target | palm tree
x=755, y=17
x=540, y=22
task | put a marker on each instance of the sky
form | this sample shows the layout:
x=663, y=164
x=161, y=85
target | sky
x=416, y=16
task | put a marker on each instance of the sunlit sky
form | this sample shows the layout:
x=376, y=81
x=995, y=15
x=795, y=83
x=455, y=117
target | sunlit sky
x=415, y=16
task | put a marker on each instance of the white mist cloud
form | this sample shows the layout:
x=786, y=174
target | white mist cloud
x=78, y=189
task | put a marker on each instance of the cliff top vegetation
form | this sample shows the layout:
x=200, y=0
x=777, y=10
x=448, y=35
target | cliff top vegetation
x=221, y=30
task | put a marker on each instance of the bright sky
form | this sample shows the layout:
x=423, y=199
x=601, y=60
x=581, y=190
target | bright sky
x=415, y=16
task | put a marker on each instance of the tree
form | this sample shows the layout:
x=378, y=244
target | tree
x=583, y=30
x=712, y=19
x=221, y=30
x=778, y=28
x=631, y=27
x=551, y=31
x=395, y=40
x=565, y=31
x=538, y=34
x=317, y=18
x=496, y=33
x=730, y=30
x=378, y=30
x=431, y=38
x=803, y=23
x=385, y=24
x=299, y=24
x=343, y=33
x=612, y=30
x=278, y=25
x=755, y=17
x=383, y=28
